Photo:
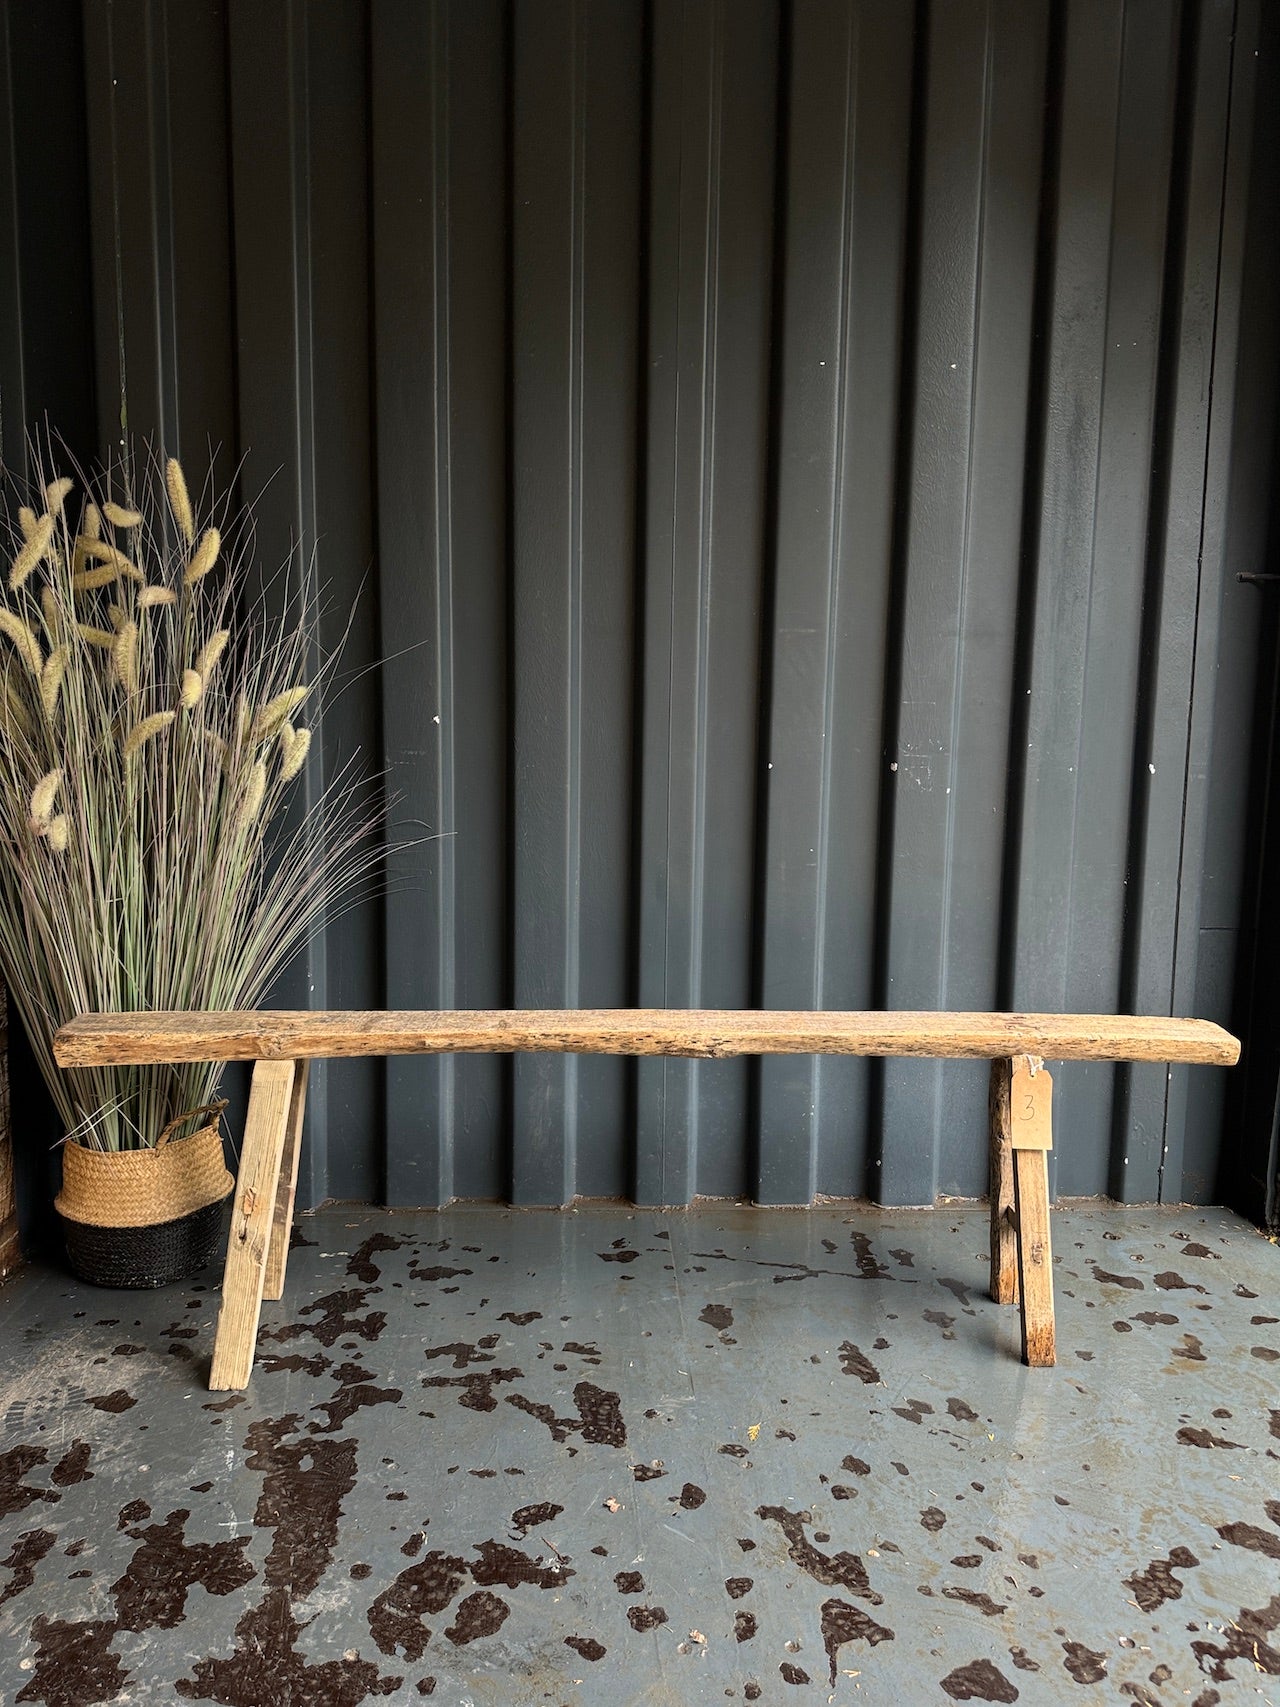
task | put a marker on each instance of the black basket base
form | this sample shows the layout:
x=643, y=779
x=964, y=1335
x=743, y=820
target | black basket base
x=143, y=1257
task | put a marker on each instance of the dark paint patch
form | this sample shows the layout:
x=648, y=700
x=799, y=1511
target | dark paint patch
x=293, y=1363
x=1022, y=1659
x=869, y=1267
x=980, y=1680
x=914, y=1411
x=958, y=1290
x=1130, y=1282
x=1083, y=1664
x=503, y=1566
x=477, y=1387
x=974, y=1597
x=692, y=1496
x=439, y=1272
x=855, y=1362
x=266, y=1667
x=1169, y=1281
x=153, y=1591
x=646, y=1617
x=618, y=1256
x=422, y=1590
x=962, y=1412
x=842, y=1623
x=838, y=1570
x=1201, y=1437
x=530, y=1516
x=647, y=1473
x=1265, y=1353
x=940, y=1319
x=1155, y=1318
x=348, y=1400
x=932, y=1519
x=793, y=1673
x=586, y=1646
x=73, y=1466
x=1249, y=1536
x=599, y=1418
x=16, y=1494
x=521, y=1318
x=629, y=1582
x=736, y=1587
x=1245, y=1638
x=717, y=1316
x=73, y=1666
x=461, y=1353
x=114, y=1403
x=304, y=1485
x=480, y=1614
x=855, y=1466
x=744, y=1628
x=338, y=1316
x=137, y=1511
x=360, y=1264
x=23, y=1557
x=1157, y=1584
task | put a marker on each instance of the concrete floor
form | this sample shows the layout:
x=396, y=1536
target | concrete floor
x=610, y=1456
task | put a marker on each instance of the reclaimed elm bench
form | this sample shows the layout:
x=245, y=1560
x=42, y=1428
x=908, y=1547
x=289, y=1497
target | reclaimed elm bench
x=282, y=1045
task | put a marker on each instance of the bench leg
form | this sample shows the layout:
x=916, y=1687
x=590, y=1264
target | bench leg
x=265, y=1132
x=1035, y=1256
x=282, y=1222
x=1004, y=1257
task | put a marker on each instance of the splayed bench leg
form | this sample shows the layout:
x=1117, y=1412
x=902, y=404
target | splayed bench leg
x=1031, y=1136
x=253, y=1214
x=1004, y=1252
x=282, y=1223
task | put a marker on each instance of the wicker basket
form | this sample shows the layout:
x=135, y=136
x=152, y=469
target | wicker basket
x=145, y=1218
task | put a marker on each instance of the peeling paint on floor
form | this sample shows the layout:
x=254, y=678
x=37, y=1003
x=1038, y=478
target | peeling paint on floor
x=494, y=1456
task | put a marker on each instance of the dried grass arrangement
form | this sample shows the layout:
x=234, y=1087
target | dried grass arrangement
x=152, y=691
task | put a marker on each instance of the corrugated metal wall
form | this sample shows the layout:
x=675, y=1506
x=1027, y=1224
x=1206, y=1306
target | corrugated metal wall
x=786, y=451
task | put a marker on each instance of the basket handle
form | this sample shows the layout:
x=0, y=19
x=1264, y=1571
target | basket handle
x=213, y=1108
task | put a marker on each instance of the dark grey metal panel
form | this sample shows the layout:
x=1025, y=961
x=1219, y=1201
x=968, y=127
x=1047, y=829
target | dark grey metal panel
x=791, y=461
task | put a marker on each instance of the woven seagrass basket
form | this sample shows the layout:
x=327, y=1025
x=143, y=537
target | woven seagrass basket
x=145, y=1218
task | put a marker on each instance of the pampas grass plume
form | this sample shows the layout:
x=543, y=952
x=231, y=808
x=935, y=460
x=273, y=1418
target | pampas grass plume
x=157, y=596
x=192, y=688
x=55, y=667
x=59, y=833
x=124, y=657
x=275, y=712
x=119, y=517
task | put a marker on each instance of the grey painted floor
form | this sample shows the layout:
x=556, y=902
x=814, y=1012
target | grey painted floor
x=622, y=1457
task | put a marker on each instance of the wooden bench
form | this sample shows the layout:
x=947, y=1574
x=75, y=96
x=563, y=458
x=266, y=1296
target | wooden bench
x=282, y=1046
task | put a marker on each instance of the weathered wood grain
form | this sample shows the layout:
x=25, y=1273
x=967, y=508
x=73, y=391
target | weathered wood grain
x=253, y=1211
x=1035, y=1257
x=286, y=1190
x=1004, y=1251
x=95, y=1040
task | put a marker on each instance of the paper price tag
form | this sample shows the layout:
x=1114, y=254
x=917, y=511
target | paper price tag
x=1030, y=1107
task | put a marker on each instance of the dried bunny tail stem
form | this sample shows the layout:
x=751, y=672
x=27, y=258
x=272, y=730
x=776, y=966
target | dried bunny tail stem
x=210, y=652
x=119, y=517
x=13, y=713
x=124, y=658
x=28, y=521
x=150, y=596
x=294, y=755
x=49, y=607
x=59, y=833
x=57, y=492
x=254, y=795
x=142, y=731
x=55, y=667
x=275, y=712
x=102, y=637
x=24, y=640
x=180, y=500
x=91, y=526
x=203, y=557
x=103, y=552
x=42, y=798
x=89, y=580
x=192, y=688
x=34, y=548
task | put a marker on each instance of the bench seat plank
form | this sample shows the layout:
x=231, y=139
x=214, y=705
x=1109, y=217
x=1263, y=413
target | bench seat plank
x=95, y=1040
